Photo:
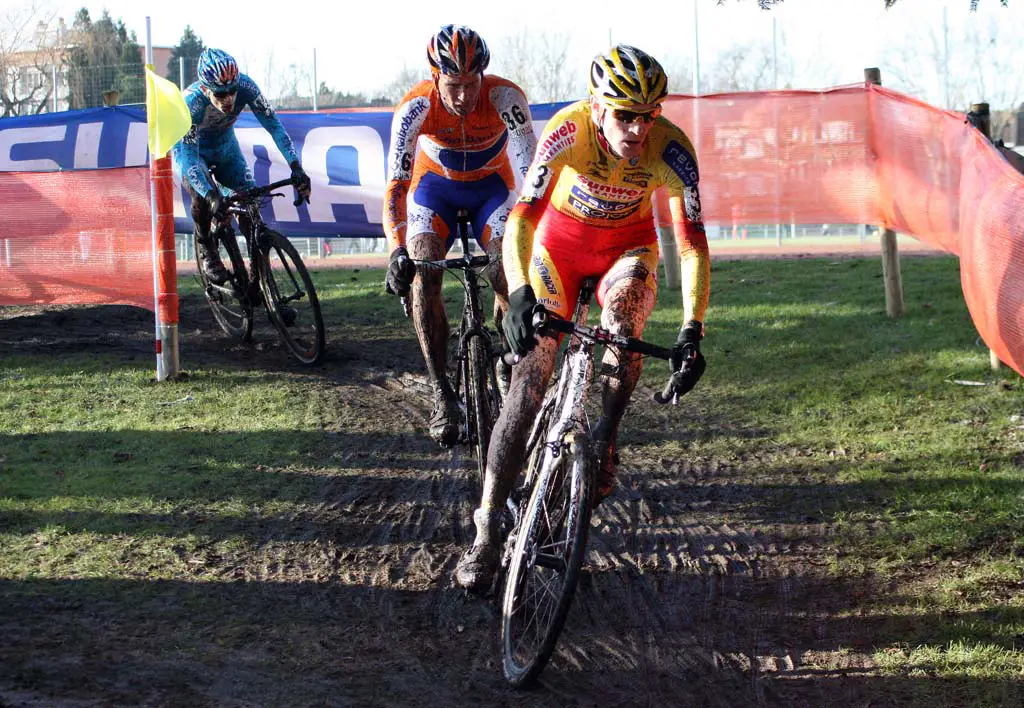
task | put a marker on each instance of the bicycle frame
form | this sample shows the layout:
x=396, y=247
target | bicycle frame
x=472, y=324
x=275, y=277
x=571, y=389
x=257, y=227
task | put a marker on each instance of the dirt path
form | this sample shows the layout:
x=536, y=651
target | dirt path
x=690, y=596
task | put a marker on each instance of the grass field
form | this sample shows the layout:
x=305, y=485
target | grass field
x=893, y=440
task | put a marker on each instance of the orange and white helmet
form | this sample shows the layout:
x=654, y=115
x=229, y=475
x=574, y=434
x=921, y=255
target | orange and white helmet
x=629, y=78
x=457, y=50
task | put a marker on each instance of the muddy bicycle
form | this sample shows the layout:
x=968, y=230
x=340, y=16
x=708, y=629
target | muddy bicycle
x=475, y=379
x=276, y=278
x=550, y=507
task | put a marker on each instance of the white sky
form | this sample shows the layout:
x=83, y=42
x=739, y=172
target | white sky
x=358, y=50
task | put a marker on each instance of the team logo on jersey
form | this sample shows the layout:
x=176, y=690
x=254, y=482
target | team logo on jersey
x=607, y=190
x=544, y=272
x=681, y=162
x=595, y=208
x=557, y=141
x=416, y=108
x=691, y=201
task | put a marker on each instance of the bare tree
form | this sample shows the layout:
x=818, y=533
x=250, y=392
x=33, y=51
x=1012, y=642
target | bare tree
x=749, y=67
x=680, y=74
x=537, y=62
x=403, y=82
x=29, y=51
x=982, y=64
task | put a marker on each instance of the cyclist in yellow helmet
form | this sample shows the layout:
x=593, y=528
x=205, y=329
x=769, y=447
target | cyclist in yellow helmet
x=585, y=210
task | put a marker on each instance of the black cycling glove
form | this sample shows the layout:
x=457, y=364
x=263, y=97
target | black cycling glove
x=518, y=321
x=686, y=356
x=301, y=180
x=401, y=271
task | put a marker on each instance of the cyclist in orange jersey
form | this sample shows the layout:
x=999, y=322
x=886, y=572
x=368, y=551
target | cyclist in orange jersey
x=586, y=210
x=467, y=125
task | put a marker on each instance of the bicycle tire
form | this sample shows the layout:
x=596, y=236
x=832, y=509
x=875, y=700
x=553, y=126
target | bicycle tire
x=482, y=400
x=232, y=308
x=284, y=281
x=549, y=547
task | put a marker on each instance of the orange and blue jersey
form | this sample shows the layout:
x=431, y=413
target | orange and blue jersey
x=439, y=162
x=578, y=198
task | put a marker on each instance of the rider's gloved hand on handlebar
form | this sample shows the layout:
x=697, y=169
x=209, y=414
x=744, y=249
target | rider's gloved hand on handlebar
x=686, y=356
x=401, y=271
x=218, y=205
x=518, y=321
x=301, y=180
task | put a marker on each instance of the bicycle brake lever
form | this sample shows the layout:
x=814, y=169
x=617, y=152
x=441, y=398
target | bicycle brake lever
x=671, y=391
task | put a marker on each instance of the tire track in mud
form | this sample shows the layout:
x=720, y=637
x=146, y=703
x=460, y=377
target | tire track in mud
x=677, y=602
x=684, y=604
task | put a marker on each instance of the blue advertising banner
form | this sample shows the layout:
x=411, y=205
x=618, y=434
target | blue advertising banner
x=344, y=154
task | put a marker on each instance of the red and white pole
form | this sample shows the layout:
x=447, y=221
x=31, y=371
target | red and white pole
x=165, y=262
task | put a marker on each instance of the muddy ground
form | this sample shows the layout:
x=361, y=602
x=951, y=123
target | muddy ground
x=692, y=594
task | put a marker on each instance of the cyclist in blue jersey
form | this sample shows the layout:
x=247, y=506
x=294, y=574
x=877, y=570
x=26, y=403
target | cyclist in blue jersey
x=215, y=100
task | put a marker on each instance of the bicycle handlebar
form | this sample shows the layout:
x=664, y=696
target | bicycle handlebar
x=543, y=323
x=456, y=263
x=247, y=195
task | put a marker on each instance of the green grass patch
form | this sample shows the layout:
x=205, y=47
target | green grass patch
x=827, y=410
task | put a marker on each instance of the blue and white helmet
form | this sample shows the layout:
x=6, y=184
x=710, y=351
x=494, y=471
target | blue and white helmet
x=218, y=71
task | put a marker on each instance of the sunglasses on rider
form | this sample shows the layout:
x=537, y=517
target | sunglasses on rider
x=624, y=116
x=225, y=94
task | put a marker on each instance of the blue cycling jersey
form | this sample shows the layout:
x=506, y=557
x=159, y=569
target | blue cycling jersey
x=211, y=141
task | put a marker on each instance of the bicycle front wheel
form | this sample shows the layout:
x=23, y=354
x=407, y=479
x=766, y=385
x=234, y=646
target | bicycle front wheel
x=545, y=565
x=483, y=399
x=290, y=297
x=230, y=302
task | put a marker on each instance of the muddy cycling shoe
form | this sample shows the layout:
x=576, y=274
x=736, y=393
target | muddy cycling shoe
x=213, y=267
x=444, y=421
x=607, y=462
x=475, y=570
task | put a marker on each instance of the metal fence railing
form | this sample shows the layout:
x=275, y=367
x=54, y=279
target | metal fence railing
x=31, y=90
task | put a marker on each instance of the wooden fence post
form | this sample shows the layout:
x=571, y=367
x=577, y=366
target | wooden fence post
x=984, y=124
x=666, y=239
x=890, y=254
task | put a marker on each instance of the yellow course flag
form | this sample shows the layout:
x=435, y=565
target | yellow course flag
x=166, y=113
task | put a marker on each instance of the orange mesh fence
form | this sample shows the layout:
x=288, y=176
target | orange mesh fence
x=991, y=218
x=851, y=155
x=864, y=154
x=76, y=237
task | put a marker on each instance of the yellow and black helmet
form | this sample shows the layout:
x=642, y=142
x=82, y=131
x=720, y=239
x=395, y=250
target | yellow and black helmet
x=627, y=77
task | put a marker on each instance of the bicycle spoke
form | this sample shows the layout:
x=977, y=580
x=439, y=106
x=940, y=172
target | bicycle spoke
x=291, y=299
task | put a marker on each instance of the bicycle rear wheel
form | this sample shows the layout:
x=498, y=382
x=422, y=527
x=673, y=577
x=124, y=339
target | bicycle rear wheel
x=230, y=302
x=545, y=565
x=290, y=297
x=482, y=399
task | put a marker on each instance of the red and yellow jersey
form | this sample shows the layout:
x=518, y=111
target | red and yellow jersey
x=460, y=149
x=608, y=199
